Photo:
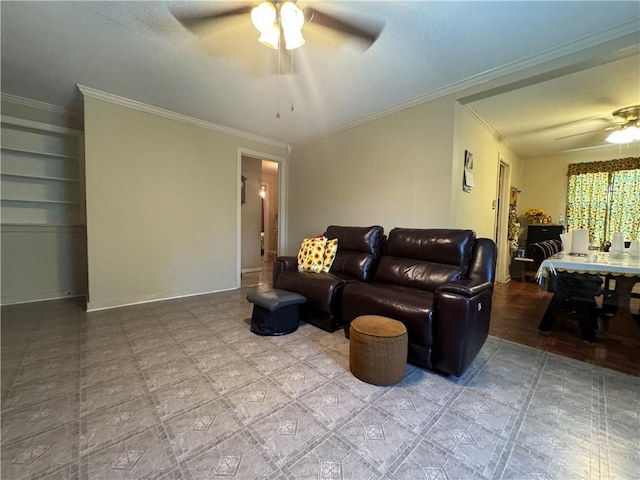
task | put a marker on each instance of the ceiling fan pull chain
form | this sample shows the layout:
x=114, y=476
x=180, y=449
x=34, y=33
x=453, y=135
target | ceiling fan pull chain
x=291, y=87
x=278, y=84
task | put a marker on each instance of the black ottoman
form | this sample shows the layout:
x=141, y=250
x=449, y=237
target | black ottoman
x=275, y=311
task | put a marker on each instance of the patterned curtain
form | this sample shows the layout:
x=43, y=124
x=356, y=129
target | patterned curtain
x=604, y=197
x=587, y=204
x=624, y=208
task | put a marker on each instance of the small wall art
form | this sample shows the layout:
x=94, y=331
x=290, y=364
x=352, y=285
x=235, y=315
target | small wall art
x=467, y=177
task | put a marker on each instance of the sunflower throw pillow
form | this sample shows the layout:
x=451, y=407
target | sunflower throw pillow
x=330, y=250
x=311, y=254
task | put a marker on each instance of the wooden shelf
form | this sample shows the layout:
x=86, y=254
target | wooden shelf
x=26, y=153
x=43, y=127
x=42, y=202
x=39, y=177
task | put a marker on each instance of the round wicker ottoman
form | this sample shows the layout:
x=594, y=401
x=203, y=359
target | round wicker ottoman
x=378, y=349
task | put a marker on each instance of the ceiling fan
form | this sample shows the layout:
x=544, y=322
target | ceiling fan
x=629, y=130
x=626, y=132
x=279, y=20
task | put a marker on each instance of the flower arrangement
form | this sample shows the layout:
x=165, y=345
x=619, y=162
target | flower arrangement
x=535, y=214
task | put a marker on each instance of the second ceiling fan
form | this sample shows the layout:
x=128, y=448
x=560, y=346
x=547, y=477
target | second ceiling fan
x=626, y=132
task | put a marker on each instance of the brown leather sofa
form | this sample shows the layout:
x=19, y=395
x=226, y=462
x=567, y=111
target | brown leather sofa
x=438, y=282
x=356, y=258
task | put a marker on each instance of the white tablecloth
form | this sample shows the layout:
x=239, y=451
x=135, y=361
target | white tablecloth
x=625, y=265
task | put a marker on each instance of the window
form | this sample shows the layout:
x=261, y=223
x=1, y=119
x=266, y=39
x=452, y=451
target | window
x=604, y=197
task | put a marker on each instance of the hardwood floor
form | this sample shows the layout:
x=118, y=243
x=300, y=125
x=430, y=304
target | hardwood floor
x=517, y=310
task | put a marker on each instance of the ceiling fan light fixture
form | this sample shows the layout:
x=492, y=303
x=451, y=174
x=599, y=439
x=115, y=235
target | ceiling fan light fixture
x=626, y=134
x=292, y=21
x=264, y=16
x=291, y=16
x=270, y=37
x=293, y=39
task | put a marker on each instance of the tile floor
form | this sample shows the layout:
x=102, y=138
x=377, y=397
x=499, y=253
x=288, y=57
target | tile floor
x=182, y=389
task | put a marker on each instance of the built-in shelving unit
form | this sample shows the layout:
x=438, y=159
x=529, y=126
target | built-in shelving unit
x=44, y=249
x=40, y=174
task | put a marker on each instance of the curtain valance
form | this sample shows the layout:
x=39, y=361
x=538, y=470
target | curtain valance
x=629, y=163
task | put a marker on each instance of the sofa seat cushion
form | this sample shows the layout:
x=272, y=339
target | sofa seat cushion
x=410, y=305
x=320, y=289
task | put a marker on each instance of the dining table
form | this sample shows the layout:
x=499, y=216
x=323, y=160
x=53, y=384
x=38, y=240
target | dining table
x=623, y=268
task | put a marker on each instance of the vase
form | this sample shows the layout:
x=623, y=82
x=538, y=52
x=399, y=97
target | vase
x=535, y=221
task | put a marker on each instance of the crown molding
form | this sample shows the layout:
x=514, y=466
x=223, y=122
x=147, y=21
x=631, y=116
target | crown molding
x=161, y=112
x=486, y=126
x=536, y=60
x=482, y=122
x=27, y=102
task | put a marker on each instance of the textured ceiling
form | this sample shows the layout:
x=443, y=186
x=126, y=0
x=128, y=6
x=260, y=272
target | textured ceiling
x=563, y=113
x=223, y=75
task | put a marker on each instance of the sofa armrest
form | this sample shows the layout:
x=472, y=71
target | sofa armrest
x=282, y=264
x=466, y=288
x=462, y=311
x=288, y=263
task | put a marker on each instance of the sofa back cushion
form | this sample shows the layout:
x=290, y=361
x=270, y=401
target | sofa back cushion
x=425, y=258
x=358, y=250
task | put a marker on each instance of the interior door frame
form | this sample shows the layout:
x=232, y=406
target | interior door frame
x=502, y=222
x=282, y=203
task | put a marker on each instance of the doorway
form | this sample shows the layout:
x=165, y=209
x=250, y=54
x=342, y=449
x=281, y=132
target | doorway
x=269, y=192
x=260, y=212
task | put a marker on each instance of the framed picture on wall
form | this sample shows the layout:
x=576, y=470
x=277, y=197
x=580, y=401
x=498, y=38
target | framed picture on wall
x=467, y=176
x=513, y=197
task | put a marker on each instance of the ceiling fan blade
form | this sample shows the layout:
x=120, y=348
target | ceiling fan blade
x=367, y=33
x=197, y=21
x=586, y=133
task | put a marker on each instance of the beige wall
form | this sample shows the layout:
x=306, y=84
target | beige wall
x=544, y=179
x=474, y=209
x=161, y=220
x=401, y=170
x=394, y=171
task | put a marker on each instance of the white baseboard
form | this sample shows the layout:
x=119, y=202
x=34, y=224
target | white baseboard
x=251, y=270
x=162, y=299
x=39, y=297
